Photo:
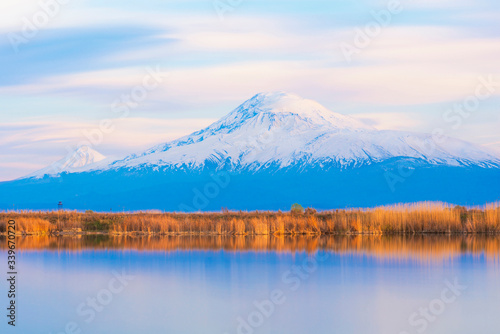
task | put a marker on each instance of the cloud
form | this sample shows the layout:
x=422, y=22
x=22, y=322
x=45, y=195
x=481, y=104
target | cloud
x=62, y=51
x=411, y=65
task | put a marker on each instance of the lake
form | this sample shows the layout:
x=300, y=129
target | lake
x=295, y=285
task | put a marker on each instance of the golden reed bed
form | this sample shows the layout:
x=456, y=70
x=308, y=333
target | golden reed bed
x=427, y=217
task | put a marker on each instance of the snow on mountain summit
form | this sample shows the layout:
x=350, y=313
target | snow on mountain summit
x=281, y=104
x=281, y=129
x=80, y=159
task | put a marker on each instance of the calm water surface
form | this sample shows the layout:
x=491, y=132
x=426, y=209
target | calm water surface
x=100, y=284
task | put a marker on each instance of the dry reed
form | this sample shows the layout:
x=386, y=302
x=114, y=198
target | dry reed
x=419, y=218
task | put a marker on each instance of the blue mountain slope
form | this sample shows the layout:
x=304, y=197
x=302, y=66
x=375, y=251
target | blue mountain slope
x=209, y=189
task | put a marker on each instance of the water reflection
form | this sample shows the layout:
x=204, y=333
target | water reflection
x=416, y=246
x=209, y=285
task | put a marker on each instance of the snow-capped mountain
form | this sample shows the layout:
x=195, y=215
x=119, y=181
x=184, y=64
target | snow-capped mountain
x=82, y=159
x=273, y=150
x=282, y=130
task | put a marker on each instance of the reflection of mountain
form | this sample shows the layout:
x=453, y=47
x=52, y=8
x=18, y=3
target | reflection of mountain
x=273, y=150
x=424, y=248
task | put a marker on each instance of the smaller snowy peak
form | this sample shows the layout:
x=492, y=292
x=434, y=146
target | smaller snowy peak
x=81, y=159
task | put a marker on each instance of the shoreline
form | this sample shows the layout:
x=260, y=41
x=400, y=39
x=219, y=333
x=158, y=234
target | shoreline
x=411, y=219
x=65, y=233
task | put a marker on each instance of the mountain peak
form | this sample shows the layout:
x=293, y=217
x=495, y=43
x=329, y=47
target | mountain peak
x=81, y=157
x=281, y=105
x=283, y=102
x=283, y=130
x=75, y=161
x=280, y=101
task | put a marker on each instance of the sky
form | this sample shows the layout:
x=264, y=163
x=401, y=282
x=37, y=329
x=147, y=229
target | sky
x=127, y=75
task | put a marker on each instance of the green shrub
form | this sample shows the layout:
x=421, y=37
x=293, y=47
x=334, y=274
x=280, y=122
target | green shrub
x=297, y=208
x=97, y=225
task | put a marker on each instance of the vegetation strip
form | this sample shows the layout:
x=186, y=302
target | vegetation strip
x=416, y=218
